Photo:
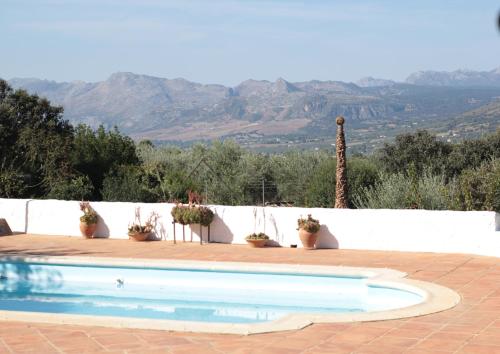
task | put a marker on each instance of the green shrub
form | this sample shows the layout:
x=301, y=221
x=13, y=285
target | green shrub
x=206, y=215
x=420, y=149
x=12, y=183
x=470, y=154
x=476, y=189
x=76, y=188
x=127, y=184
x=178, y=213
x=320, y=191
x=292, y=173
x=190, y=214
x=401, y=191
x=361, y=173
x=259, y=236
x=96, y=153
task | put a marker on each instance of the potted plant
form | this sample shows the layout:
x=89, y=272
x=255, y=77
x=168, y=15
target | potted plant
x=180, y=215
x=206, y=215
x=308, y=231
x=139, y=232
x=257, y=240
x=192, y=214
x=88, y=221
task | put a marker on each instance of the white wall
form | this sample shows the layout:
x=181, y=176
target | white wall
x=56, y=217
x=382, y=229
x=14, y=211
x=398, y=230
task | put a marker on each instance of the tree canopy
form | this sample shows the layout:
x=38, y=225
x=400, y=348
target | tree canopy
x=43, y=156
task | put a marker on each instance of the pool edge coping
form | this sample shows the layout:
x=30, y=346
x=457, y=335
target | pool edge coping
x=437, y=298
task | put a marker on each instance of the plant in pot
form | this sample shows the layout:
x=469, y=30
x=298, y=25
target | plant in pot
x=196, y=212
x=308, y=231
x=139, y=232
x=180, y=215
x=206, y=215
x=88, y=221
x=257, y=240
x=192, y=214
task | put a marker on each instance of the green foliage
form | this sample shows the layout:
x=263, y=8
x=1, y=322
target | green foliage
x=35, y=143
x=308, y=224
x=206, y=215
x=292, y=173
x=421, y=150
x=222, y=172
x=477, y=189
x=191, y=214
x=173, y=185
x=259, y=236
x=320, y=191
x=12, y=184
x=89, y=214
x=256, y=171
x=43, y=156
x=168, y=168
x=137, y=226
x=96, y=153
x=404, y=191
x=138, y=229
x=472, y=153
x=361, y=173
x=127, y=184
x=75, y=188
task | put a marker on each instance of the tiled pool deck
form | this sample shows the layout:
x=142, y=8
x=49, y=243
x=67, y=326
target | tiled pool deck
x=471, y=327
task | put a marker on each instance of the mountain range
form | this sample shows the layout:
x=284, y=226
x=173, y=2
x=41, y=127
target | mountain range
x=279, y=114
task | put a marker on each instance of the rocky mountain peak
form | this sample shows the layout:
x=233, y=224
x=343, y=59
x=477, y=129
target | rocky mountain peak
x=122, y=76
x=253, y=87
x=283, y=86
x=460, y=77
x=374, y=82
x=176, y=109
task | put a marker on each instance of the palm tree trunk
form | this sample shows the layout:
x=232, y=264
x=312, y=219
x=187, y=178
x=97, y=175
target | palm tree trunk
x=341, y=183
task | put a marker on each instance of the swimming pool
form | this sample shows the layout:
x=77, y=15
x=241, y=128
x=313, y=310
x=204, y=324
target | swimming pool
x=193, y=295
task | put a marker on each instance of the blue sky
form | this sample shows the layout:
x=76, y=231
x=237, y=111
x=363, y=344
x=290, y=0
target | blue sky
x=228, y=41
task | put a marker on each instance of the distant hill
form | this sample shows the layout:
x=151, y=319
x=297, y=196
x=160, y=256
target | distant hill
x=274, y=115
x=373, y=82
x=456, y=78
x=489, y=111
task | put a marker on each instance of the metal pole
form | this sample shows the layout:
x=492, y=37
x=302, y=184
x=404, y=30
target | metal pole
x=263, y=200
x=206, y=192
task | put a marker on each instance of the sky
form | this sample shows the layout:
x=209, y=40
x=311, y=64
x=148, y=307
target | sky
x=229, y=41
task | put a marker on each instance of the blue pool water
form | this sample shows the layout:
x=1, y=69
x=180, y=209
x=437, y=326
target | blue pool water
x=188, y=295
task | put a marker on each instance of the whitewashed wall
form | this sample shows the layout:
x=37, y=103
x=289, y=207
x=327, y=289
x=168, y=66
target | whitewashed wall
x=397, y=230
x=14, y=211
x=56, y=217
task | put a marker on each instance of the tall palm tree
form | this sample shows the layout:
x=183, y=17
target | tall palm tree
x=341, y=184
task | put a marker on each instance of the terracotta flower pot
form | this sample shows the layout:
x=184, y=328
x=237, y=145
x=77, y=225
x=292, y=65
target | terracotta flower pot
x=308, y=239
x=139, y=236
x=257, y=243
x=87, y=230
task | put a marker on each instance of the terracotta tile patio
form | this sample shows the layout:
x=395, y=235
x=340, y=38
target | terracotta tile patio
x=471, y=327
